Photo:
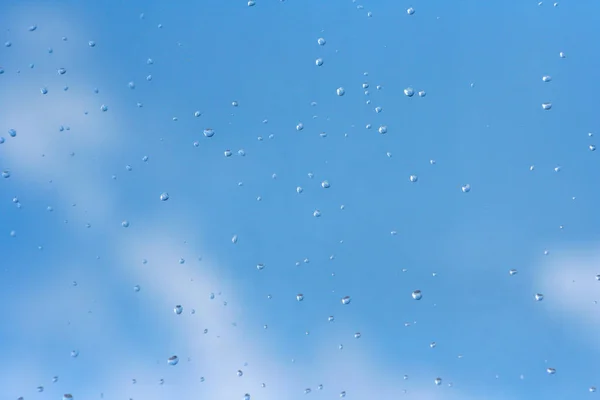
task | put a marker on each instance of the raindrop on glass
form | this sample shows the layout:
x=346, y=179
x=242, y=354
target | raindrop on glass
x=340, y=91
x=173, y=360
x=417, y=295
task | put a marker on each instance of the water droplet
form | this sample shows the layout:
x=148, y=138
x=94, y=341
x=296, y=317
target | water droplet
x=234, y=239
x=346, y=300
x=546, y=78
x=382, y=129
x=413, y=178
x=325, y=184
x=340, y=91
x=422, y=93
x=234, y=103
x=307, y=391
x=54, y=379
x=317, y=213
x=562, y=54
x=592, y=147
x=357, y=335
x=299, y=190
x=260, y=267
x=318, y=63
x=321, y=41
x=299, y=297
x=247, y=396
x=546, y=106
x=343, y=394
x=136, y=288
x=409, y=92
x=539, y=297
x=240, y=372
x=417, y=295
x=208, y=132
x=178, y=309
x=592, y=389
x=330, y=318
x=12, y=133
x=551, y=371
x=74, y=353
x=466, y=188
x=40, y=389
x=197, y=114
x=410, y=11
x=432, y=344
x=91, y=43
x=438, y=381
x=173, y=360
x=512, y=272
x=103, y=108
x=67, y=396
x=251, y=3
x=44, y=91
x=164, y=196
x=125, y=224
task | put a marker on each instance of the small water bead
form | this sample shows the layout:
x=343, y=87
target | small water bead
x=260, y=267
x=598, y=277
x=197, y=114
x=592, y=147
x=378, y=110
x=438, y=381
x=173, y=360
x=512, y=272
x=546, y=78
x=227, y=153
x=103, y=108
x=562, y=54
x=74, y=353
x=422, y=93
x=91, y=43
x=145, y=159
x=164, y=196
x=234, y=239
x=241, y=152
x=131, y=85
x=247, y=396
x=357, y=335
x=12, y=133
x=317, y=213
x=136, y=288
x=125, y=224
x=149, y=78
x=413, y=178
x=307, y=391
x=546, y=106
x=410, y=11
x=340, y=91
x=346, y=300
x=208, y=132
x=234, y=103
x=178, y=309
x=299, y=297
x=54, y=379
x=300, y=126
x=321, y=41
x=343, y=394
x=40, y=389
x=67, y=396
x=325, y=184
x=551, y=371
x=318, y=63
x=44, y=90
x=592, y=389
x=251, y=3
x=240, y=372
x=466, y=188
x=410, y=92
x=432, y=345
x=539, y=297
x=417, y=295
x=383, y=129
x=7, y=44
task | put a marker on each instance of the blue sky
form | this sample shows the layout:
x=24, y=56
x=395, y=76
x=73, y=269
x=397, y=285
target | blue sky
x=69, y=266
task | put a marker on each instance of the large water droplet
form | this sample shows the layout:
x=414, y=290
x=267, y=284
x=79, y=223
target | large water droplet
x=208, y=132
x=173, y=360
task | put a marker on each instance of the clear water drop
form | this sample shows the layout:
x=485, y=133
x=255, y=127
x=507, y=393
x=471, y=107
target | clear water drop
x=208, y=132
x=417, y=295
x=340, y=91
x=173, y=360
x=409, y=92
x=413, y=178
x=546, y=106
x=325, y=184
x=299, y=297
x=466, y=188
x=383, y=129
x=410, y=11
x=321, y=41
x=346, y=300
x=125, y=224
x=539, y=297
x=164, y=196
x=178, y=309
